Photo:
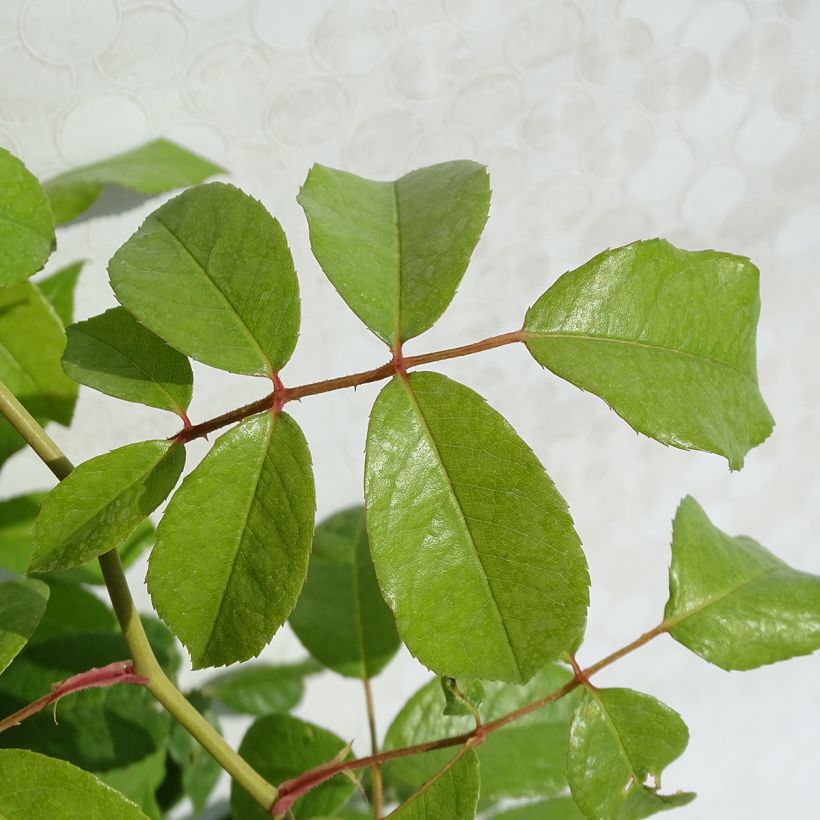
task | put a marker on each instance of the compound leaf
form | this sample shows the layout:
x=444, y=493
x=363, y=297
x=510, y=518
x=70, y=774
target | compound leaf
x=154, y=168
x=115, y=354
x=666, y=337
x=732, y=601
x=473, y=546
x=59, y=289
x=618, y=739
x=22, y=605
x=341, y=617
x=102, y=502
x=396, y=251
x=232, y=549
x=210, y=272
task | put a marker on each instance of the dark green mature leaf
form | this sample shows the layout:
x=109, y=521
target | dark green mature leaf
x=31, y=342
x=396, y=251
x=261, y=689
x=16, y=519
x=102, y=502
x=71, y=610
x=281, y=747
x=527, y=758
x=341, y=617
x=154, y=168
x=211, y=273
x=22, y=604
x=559, y=808
x=115, y=354
x=232, y=549
x=474, y=548
x=36, y=787
x=732, y=601
x=618, y=739
x=59, y=290
x=666, y=337
x=451, y=794
x=26, y=222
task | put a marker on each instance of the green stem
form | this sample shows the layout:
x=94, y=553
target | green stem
x=145, y=662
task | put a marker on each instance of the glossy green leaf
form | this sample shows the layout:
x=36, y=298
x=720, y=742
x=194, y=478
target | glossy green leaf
x=527, y=758
x=16, y=520
x=281, y=747
x=732, y=601
x=473, y=546
x=31, y=343
x=559, y=808
x=154, y=168
x=666, y=337
x=232, y=549
x=341, y=617
x=451, y=794
x=261, y=689
x=102, y=502
x=618, y=739
x=59, y=289
x=211, y=273
x=36, y=787
x=22, y=604
x=115, y=354
x=26, y=222
x=396, y=251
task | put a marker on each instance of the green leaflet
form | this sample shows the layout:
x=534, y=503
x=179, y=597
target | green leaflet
x=261, y=689
x=341, y=617
x=281, y=747
x=115, y=354
x=102, y=502
x=26, y=222
x=462, y=697
x=734, y=603
x=559, y=808
x=232, y=549
x=73, y=609
x=210, y=272
x=667, y=338
x=451, y=794
x=31, y=342
x=527, y=758
x=36, y=787
x=59, y=289
x=396, y=251
x=154, y=168
x=473, y=546
x=22, y=604
x=617, y=740
x=139, y=782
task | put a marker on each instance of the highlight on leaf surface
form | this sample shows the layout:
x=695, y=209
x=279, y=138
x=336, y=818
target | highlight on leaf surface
x=619, y=739
x=22, y=605
x=341, y=617
x=732, y=601
x=666, y=338
x=474, y=548
x=210, y=272
x=396, y=251
x=233, y=546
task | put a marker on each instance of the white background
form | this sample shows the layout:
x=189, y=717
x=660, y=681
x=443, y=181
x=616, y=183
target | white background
x=601, y=122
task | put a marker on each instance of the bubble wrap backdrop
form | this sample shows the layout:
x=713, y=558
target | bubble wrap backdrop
x=601, y=122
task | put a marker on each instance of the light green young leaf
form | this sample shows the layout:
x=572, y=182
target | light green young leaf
x=617, y=740
x=22, y=604
x=210, y=272
x=559, y=808
x=281, y=747
x=341, y=617
x=115, y=354
x=473, y=546
x=732, y=601
x=36, y=787
x=26, y=222
x=154, y=168
x=232, y=549
x=462, y=697
x=451, y=794
x=527, y=758
x=59, y=290
x=261, y=689
x=396, y=251
x=667, y=338
x=102, y=502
